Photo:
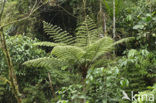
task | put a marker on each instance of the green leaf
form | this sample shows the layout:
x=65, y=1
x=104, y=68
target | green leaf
x=70, y=54
x=138, y=27
x=48, y=44
x=44, y=62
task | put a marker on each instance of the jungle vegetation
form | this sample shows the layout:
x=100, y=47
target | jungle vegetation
x=77, y=51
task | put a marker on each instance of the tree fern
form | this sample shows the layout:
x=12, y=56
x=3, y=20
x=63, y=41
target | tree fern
x=82, y=57
x=87, y=48
x=59, y=35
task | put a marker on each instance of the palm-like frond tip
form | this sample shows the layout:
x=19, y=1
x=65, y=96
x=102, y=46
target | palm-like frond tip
x=59, y=35
x=86, y=32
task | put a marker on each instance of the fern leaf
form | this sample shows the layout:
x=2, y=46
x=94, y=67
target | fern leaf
x=48, y=44
x=86, y=33
x=124, y=40
x=99, y=48
x=59, y=35
x=68, y=53
x=44, y=62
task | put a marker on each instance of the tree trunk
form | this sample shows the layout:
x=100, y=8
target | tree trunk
x=50, y=85
x=12, y=75
x=114, y=21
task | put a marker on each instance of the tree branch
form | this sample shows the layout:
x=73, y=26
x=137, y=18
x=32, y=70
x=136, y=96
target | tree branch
x=34, y=9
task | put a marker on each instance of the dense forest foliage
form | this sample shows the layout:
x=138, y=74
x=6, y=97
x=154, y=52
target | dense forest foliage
x=77, y=51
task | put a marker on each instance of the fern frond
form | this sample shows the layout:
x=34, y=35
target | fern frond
x=124, y=40
x=48, y=44
x=99, y=48
x=68, y=53
x=59, y=35
x=86, y=33
x=102, y=46
x=44, y=62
